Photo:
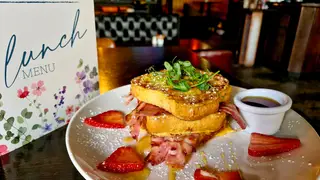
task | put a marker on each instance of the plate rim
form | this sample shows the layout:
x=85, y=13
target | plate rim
x=72, y=119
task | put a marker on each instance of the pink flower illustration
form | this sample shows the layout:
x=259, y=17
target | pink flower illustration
x=38, y=88
x=69, y=110
x=4, y=156
x=23, y=93
x=46, y=110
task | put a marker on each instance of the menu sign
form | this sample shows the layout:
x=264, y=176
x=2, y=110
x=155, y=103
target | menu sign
x=48, y=66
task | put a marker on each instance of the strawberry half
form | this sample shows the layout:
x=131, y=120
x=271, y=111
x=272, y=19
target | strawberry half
x=123, y=160
x=257, y=138
x=201, y=174
x=232, y=175
x=265, y=145
x=108, y=119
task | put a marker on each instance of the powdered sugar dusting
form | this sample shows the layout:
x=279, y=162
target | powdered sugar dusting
x=188, y=171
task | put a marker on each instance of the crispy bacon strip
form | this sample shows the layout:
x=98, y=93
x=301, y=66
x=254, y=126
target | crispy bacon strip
x=174, y=138
x=134, y=121
x=176, y=157
x=145, y=109
x=233, y=111
x=158, y=154
x=131, y=118
x=171, y=150
x=157, y=141
x=191, y=140
x=187, y=148
x=136, y=118
x=135, y=130
x=128, y=98
x=141, y=106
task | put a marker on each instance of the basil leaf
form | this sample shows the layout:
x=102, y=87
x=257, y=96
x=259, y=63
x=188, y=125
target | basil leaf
x=168, y=66
x=177, y=69
x=169, y=81
x=182, y=72
x=170, y=73
x=204, y=86
x=215, y=74
x=185, y=63
x=182, y=86
x=189, y=71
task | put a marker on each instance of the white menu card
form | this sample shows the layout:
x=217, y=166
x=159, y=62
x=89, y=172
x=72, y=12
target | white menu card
x=48, y=66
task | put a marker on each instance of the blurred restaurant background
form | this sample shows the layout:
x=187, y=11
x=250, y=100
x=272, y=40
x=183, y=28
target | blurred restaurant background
x=282, y=35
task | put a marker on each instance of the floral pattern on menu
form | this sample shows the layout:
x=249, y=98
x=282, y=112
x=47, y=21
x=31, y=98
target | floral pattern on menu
x=20, y=129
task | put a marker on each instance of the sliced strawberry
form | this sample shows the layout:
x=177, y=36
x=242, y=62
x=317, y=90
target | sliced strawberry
x=265, y=145
x=258, y=150
x=257, y=138
x=201, y=174
x=231, y=175
x=123, y=160
x=108, y=119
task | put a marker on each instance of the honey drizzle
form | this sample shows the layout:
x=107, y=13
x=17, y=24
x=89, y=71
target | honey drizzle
x=143, y=144
x=171, y=173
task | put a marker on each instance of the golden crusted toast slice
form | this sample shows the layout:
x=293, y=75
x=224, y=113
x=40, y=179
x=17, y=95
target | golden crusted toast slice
x=188, y=105
x=167, y=124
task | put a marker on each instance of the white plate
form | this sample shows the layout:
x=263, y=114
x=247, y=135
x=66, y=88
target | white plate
x=87, y=146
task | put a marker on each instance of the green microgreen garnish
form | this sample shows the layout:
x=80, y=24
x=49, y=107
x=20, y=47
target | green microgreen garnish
x=151, y=69
x=183, y=76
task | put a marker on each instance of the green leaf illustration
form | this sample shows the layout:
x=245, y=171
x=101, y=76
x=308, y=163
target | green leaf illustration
x=28, y=115
x=91, y=75
x=96, y=86
x=0, y=96
x=25, y=142
x=36, y=126
x=61, y=119
x=1, y=137
x=24, y=112
x=80, y=63
x=10, y=120
x=20, y=119
x=15, y=140
x=86, y=68
x=28, y=138
x=7, y=138
x=2, y=113
x=10, y=134
x=22, y=130
x=1, y=103
x=7, y=126
x=40, y=115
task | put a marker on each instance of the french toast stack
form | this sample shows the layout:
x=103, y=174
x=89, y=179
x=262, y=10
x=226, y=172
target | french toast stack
x=179, y=108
